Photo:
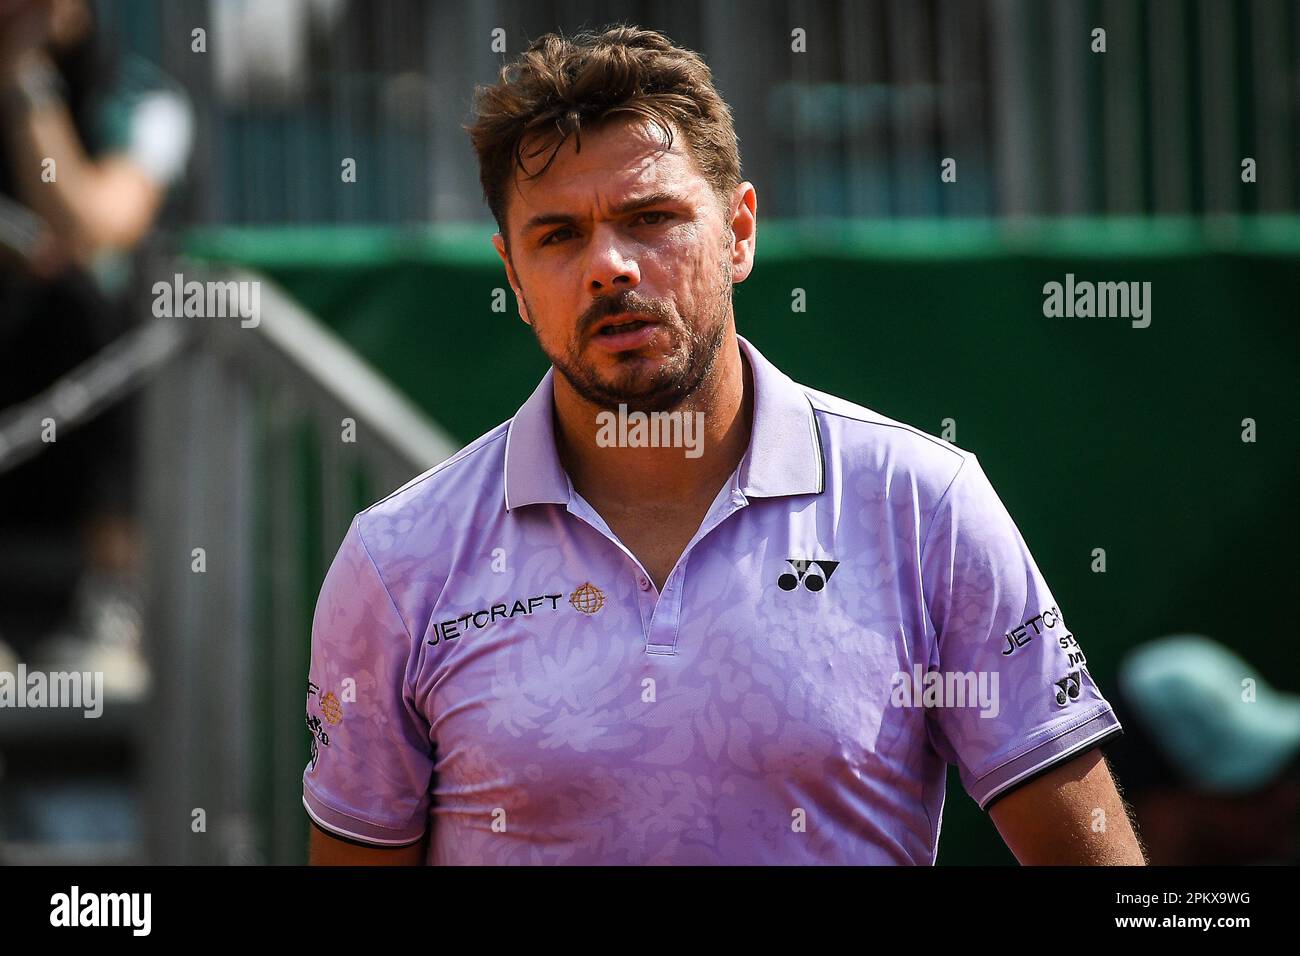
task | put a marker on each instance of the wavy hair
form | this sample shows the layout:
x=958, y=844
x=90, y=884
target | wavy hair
x=563, y=84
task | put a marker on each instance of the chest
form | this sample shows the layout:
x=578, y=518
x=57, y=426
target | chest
x=683, y=725
x=657, y=538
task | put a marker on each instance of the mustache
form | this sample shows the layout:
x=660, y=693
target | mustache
x=624, y=302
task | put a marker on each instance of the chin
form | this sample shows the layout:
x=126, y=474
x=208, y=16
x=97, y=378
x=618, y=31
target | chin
x=632, y=373
x=657, y=398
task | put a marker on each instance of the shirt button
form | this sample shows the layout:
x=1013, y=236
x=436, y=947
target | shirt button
x=644, y=583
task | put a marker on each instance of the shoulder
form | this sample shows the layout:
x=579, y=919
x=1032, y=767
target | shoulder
x=440, y=505
x=858, y=439
x=149, y=115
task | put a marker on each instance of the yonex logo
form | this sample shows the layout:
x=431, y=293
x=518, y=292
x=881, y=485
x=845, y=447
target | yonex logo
x=1067, y=689
x=813, y=580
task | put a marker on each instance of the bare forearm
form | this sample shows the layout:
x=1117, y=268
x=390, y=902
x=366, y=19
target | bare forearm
x=325, y=850
x=40, y=139
x=1073, y=815
x=88, y=205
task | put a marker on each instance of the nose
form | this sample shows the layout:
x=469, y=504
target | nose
x=609, y=269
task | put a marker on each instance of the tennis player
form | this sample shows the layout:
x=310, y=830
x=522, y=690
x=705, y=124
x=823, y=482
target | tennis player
x=680, y=608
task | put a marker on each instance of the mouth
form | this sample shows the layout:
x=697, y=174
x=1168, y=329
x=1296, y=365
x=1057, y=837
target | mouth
x=624, y=332
x=619, y=324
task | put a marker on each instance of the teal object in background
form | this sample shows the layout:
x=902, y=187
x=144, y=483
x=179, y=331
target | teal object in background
x=1097, y=435
x=1216, y=720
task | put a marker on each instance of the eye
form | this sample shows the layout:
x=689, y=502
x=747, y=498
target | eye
x=546, y=241
x=665, y=215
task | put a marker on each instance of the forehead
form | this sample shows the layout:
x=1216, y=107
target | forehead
x=619, y=158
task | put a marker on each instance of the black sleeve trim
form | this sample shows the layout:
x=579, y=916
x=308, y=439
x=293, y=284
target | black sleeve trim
x=356, y=842
x=1064, y=758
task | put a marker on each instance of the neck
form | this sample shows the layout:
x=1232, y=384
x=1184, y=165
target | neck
x=717, y=420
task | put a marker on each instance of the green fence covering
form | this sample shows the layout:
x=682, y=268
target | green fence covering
x=1095, y=433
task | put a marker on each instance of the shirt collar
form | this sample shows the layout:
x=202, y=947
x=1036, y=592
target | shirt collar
x=784, y=456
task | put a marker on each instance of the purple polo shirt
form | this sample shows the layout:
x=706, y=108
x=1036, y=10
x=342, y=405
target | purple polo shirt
x=856, y=610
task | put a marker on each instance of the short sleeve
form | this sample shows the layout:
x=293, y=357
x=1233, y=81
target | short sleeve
x=161, y=136
x=371, y=764
x=148, y=116
x=996, y=622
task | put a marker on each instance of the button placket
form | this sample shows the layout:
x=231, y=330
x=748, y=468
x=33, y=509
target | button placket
x=665, y=622
x=668, y=613
x=645, y=601
x=664, y=610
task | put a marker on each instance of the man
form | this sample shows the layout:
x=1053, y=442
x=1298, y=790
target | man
x=573, y=642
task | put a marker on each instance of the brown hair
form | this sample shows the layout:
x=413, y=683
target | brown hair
x=567, y=82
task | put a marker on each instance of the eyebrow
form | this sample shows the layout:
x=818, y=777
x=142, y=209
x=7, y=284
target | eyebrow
x=620, y=209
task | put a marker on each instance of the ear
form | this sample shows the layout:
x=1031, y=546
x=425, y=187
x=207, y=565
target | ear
x=744, y=230
x=499, y=244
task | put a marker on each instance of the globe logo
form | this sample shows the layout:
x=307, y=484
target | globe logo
x=331, y=709
x=588, y=598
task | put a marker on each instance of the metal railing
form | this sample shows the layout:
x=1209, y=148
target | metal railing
x=245, y=457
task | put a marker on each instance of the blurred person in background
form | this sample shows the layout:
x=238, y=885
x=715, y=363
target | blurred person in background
x=89, y=145
x=1210, y=755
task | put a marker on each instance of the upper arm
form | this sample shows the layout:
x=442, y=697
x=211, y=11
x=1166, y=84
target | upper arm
x=372, y=757
x=330, y=851
x=120, y=205
x=998, y=629
x=1070, y=815
x=148, y=126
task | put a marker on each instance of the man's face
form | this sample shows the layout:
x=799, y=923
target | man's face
x=624, y=233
